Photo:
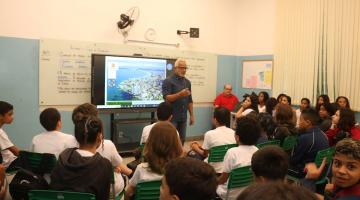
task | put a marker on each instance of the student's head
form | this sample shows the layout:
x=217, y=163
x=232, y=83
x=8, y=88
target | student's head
x=324, y=98
x=308, y=118
x=227, y=89
x=346, y=119
x=346, y=163
x=285, y=99
x=251, y=101
x=221, y=116
x=343, y=102
x=284, y=114
x=164, y=111
x=188, y=178
x=247, y=131
x=304, y=103
x=280, y=96
x=6, y=112
x=270, y=163
x=263, y=97
x=276, y=190
x=267, y=123
x=270, y=105
x=84, y=110
x=326, y=110
x=180, y=67
x=50, y=119
x=89, y=131
x=162, y=146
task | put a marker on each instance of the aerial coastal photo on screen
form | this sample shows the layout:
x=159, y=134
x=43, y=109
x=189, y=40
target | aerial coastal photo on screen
x=135, y=80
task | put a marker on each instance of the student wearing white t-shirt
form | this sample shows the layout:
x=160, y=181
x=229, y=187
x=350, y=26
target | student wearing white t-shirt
x=9, y=151
x=162, y=146
x=109, y=151
x=221, y=135
x=247, y=133
x=163, y=113
x=249, y=104
x=52, y=141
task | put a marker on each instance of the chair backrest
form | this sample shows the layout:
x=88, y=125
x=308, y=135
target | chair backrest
x=38, y=162
x=61, y=195
x=289, y=142
x=217, y=153
x=240, y=177
x=267, y=143
x=148, y=190
x=326, y=153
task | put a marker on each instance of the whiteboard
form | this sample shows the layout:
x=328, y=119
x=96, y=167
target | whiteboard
x=65, y=69
x=257, y=74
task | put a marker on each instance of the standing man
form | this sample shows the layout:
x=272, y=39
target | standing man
x=176, y=89
x=226, y=99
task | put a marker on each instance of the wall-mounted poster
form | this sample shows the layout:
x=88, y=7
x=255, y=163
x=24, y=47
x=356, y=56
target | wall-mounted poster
x=257, y=74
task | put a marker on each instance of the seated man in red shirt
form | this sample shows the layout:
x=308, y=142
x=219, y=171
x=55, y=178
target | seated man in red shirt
x=226, y=99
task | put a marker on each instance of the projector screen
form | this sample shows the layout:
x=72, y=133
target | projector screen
x=128, y=82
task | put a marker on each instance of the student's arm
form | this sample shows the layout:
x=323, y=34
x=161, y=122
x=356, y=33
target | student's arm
x=312, y=172
x=239, y=112
x=123, y=169
x=223, y=178
x=192, y=118
x=199, y=149
x=130, y=191
x=14, y=150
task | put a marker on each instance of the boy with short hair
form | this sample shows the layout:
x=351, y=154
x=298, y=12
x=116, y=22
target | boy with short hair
x=221, y=135
x=52, y=141
x=270, y=163
x=247, y=133
x=9, y=151
x=309, y=143
x=188, y=178
x=346, y=171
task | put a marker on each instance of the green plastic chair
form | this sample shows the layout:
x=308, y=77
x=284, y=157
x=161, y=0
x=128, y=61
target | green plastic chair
x=217, y=153
x=289, y=142
x=328, y=154
x=35, y=163
x=61, y=195
x=148, y=190
x=239, y=177
x=267, y=143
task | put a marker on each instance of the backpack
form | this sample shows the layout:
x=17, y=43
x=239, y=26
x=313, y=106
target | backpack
x=27, y=179
x=24, y=181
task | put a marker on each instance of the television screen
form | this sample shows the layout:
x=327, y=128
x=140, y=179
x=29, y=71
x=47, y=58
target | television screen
x=128, y=82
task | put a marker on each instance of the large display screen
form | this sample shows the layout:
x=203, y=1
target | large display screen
x=128, y=82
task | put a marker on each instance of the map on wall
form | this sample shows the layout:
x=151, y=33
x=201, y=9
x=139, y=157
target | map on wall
x=257, y=74
x=65, y=69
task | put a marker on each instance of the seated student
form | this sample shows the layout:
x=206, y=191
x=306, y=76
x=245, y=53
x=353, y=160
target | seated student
x=270, y=163
x=276, y=191
x=246, y=135
x=262, y=99
x=343, y=102
x=226, y=99
x=9, y=151
x=52, y=141
x=163, y=113
x=249, y=104
x=322, y=99
x=267, y=125
x=310, y=141
x=326, y=111
x=285, y=125
x=83, y=169
x=305, y=103
x=107, y=149
x=345, y=171
x=162, y=146
x=187, y=178
x=271, y=105
x=220, y=136
x=343, y=125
